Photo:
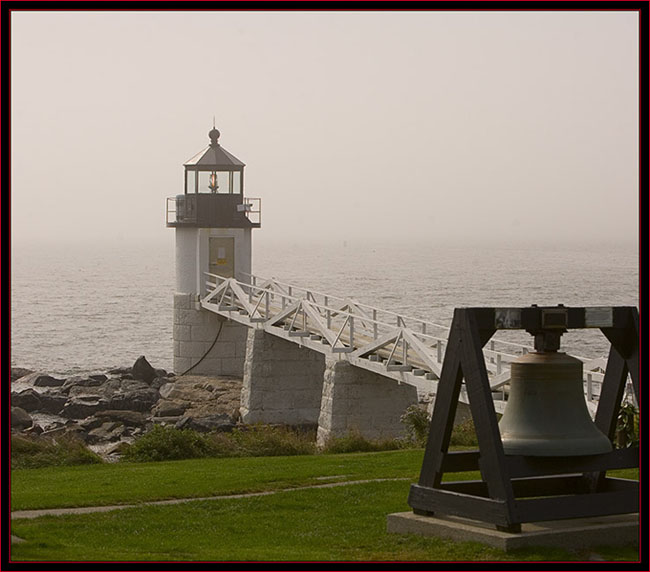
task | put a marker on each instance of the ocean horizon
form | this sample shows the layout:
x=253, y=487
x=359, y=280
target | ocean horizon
x=81, y=308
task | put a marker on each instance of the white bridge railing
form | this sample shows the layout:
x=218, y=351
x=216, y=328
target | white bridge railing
x=407, y=349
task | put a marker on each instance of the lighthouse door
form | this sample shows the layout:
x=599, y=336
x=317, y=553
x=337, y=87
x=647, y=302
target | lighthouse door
x=222, y=256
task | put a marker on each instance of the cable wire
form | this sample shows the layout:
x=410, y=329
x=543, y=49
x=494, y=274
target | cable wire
x=206, y=353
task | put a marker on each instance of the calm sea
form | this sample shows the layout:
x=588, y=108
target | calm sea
x=84, y=308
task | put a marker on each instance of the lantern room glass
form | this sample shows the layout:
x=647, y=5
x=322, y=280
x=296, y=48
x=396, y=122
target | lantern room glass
x=213, y=181
x=190, y=181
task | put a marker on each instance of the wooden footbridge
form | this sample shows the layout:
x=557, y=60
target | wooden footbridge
x=399, y=347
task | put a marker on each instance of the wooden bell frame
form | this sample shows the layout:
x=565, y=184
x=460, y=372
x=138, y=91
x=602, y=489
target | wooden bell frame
x=515, y=489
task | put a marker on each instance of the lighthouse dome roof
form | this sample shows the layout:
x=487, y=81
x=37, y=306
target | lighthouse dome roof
x=214, y=156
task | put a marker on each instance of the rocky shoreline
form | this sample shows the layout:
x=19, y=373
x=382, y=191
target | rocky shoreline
x=117, y=406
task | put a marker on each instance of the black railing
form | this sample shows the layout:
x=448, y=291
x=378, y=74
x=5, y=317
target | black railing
x=213, y=210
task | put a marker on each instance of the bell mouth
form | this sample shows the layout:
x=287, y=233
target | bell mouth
x=565, y=447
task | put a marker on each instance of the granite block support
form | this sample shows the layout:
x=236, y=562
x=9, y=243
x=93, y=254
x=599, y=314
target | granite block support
x=282, y=381
x=355, y=400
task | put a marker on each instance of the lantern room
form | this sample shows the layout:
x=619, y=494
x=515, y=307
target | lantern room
x=213, y=192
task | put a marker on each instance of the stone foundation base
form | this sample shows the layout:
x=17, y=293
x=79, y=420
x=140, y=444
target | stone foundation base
x=578, y=533
x=195, y=330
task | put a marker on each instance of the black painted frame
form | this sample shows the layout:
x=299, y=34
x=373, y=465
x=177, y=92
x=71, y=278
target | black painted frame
x=515, y=489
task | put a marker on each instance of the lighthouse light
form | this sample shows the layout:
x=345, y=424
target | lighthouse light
x=214, y=186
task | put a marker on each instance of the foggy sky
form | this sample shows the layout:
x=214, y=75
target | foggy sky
x=407, y=125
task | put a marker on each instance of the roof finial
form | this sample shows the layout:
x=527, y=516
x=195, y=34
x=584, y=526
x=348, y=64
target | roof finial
x=214, y=135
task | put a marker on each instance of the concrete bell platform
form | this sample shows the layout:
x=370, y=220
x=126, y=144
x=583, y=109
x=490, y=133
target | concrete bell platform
x=590, y=532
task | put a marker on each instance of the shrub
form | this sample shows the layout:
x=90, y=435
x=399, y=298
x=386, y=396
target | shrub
x=268, y=441
x=166, y=443
x=464, y=435
x=354, y=442
x=627, y=423
x=416, y=420
x=35, y=452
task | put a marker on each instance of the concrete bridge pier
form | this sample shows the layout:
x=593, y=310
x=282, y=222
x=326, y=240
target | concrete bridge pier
x=357, y=400
x=283, y=382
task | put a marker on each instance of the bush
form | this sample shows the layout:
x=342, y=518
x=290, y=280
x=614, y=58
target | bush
x=627, y=426
x=36, y=452
x=464, y=435
x=354, y=442
x=166, y=443
x=416, y=420
x=269, y=441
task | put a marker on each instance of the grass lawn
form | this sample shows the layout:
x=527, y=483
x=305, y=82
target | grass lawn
x=338, y=524
x=125, y=483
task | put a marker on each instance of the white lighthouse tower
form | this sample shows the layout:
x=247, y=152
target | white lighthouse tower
x=213, y=222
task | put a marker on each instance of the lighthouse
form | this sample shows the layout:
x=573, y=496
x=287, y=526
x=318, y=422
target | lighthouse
x=213, y=223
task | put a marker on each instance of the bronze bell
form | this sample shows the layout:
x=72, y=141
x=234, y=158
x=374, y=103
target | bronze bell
x=546, y=413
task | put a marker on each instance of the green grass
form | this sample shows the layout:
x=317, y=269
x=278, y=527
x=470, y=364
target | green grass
x=339, y=524
x=343, y=523
x=125, y=483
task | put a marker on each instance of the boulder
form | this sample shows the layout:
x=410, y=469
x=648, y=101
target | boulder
x=90, y=423
x=138, y=431
x=169, y=408
x=56, y=432
x=166, y=389
x=158, y=382
x=18, y=372
x=128, y=418
x=106, y=432
x=52, y=402
x=104, y=390
x=165, y=420
x=72, y=430
x=81, y=381
x=137, y=387
x=33, y=430
x=119, y=370
x=143, y=370
x=48, y=381
x=28, y=399
x=47, y=421
x=80, y=408
x=216, y=422
x=205, y=395
x=40, y=379
x=20, y=419
x=115, y=450
x=126, y=403
x=134, y=395
x=122, y=394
